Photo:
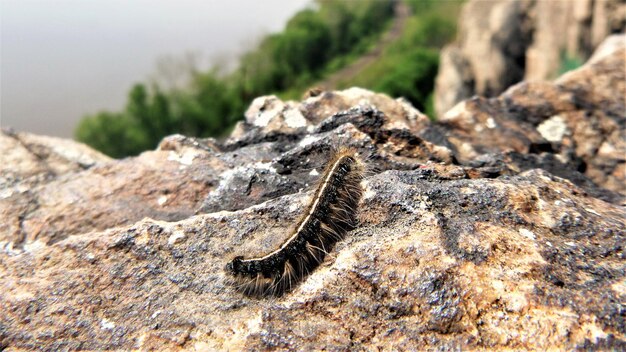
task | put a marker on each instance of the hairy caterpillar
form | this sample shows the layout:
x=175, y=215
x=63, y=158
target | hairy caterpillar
x=330, y=214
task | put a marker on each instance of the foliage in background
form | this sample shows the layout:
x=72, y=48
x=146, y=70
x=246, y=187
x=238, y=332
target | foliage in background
x=213, y=103
x=568, y=63
x=408, y=67
x=314, y=43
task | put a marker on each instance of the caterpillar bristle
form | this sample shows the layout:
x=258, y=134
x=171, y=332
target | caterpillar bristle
x=329, y=216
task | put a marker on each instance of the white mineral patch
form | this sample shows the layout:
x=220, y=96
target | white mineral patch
x=546, y=218
x=561, y=158
x=263, y=109
x=226, y=177
x=497, y=285
x=106, y=324
x=272, y=110
x=6, y=193
x=254, y=324
x=369, y=193
x=467, y=148
x=294, y=118
x=188, y=156
x=308, y=140
x=263, y=119
x=553, y=129
x=411, y=209
x=527, y=233
x=295, y=206
x=516, y=302
x=175, y=237
x=456, y=111
x=356, y=92
x=265, y=166
x=162, y=200
x=619, y=286
x=34, y=246
x=185, y=159
x=607, y=149
x=7, y=247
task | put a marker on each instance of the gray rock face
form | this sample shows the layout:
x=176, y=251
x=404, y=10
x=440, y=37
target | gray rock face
x=500, y=227
x=504, y=42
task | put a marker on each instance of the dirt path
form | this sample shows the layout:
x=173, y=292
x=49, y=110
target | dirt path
x=401, y=14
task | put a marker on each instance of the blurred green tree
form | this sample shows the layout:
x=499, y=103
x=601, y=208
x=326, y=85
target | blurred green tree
x=313, y=41
x=114, y=134
x=413, y=79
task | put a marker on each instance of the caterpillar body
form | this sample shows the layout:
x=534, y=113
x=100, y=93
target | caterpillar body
x=330, y=214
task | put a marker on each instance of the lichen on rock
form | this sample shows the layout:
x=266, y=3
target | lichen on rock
x=481, y=231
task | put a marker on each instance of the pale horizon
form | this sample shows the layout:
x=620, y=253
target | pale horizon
x=61, y=60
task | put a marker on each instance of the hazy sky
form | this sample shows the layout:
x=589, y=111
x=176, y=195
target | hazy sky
x=60, y=59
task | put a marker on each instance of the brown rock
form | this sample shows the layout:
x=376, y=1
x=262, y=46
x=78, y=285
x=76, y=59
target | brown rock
x=27, y=158
x=525, y=263
x=478, y=232
x=102, y=195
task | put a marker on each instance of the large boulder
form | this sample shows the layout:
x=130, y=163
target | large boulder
x=500, y=227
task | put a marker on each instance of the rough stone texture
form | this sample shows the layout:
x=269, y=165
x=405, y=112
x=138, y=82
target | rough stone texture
x=502, y=42
x=273, y=116
x=477, y=232
x=579, y=119
x=48, y=197
x=29, y=159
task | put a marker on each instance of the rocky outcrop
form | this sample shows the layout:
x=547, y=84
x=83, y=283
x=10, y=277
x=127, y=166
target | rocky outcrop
x=578, y=120
x=504, y=42
x=501, y=226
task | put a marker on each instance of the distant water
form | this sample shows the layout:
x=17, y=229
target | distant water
x=61, y=59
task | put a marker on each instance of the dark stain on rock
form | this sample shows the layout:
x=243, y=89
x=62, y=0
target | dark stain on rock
x=458, y=213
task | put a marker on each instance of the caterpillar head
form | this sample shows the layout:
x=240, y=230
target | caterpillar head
x=235, y=265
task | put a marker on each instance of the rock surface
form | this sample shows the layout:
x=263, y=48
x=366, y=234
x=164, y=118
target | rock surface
x=504, y=42
x=502, y=226
x=577, y=120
